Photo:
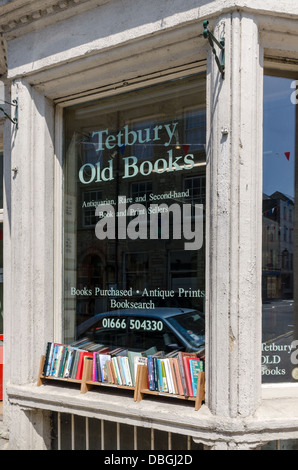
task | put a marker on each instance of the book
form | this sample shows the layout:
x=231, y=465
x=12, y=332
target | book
x=47, y=357
x=94, y=368
x=74, y=364
x=160, y=378
x=117, y=371
x=164, y=376
x=98, y=369
x=195, y=366
x=82, y=355
x=79, y=343
x=171, y=362
x=121, y=371
x=49, y=360
x=55, y=359
x=178, y=376
x=150, y=371
x=108, y=372
x=131, y=355
x=127, y=370
x=150, y=351
x=182, y=354
x=114, y=372
x=60, y=353
x=103, y=358
x=155, y=372
x=68, y=363
x=187, y=376
x=63, y=362
x=170, y=376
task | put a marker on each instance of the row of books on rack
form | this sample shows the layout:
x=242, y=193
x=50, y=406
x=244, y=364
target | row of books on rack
x=67, y=361
x=64, y=361
x=174, y=373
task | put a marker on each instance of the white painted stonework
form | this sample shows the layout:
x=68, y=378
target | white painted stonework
x=57, y=53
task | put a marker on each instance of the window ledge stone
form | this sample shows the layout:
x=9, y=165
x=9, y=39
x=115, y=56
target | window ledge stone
x=276, y=418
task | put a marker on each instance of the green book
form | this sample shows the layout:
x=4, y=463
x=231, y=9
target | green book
x=131, y=355
x=195, y=366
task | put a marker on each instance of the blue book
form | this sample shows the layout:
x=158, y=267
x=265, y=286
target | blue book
x=160, y=381
x=150, y=373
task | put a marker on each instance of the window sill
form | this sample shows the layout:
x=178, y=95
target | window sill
x=111, y=404
x=275, y=417
x=280, y=391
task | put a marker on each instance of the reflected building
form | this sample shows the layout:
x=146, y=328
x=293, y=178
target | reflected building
x=278, y=247
x=154, y=156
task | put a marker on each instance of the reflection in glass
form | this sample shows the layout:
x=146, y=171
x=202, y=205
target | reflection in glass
x=149, y=147
x=1, y=180
x=1, y=278
x=279, y=359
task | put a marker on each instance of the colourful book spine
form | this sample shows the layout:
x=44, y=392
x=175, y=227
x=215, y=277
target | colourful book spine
x=178, y=377
x=98, y=371
x=127, y=368
x=47, y=358
x=187, y=376
x=160, y=380
x=94, y=370
x=103, y=359
x=59, y=359
x=150, y=373
x=195, y=366
x=155, y=372
x=116, y=367
x=123, y=370
x=164, y=377
x=54, y=361
x=63, y=362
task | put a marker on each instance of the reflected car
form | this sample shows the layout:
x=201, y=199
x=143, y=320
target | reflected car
x=166, y=329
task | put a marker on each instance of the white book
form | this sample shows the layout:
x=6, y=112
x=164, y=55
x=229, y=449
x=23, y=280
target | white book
x=116, y=365
x=59, y=358
x=103, y=358
x=127, y=370
x=169, y=376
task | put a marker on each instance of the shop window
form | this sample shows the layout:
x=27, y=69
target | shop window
x=1, y=278
x=135, y=190
x=1, y=241
x=279, y=270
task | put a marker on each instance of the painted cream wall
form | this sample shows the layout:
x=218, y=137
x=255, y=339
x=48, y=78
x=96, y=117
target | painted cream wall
x=61, y=53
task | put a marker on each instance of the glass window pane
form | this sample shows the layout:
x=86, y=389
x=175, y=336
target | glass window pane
x=279, y=357
x=134, y=252
x=1, y=180
x=1, y=278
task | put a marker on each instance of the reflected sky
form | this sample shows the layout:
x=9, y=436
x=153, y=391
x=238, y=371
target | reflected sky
x=278, y=230
x=279, y=136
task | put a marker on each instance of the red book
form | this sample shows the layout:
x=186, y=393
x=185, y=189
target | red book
x=181, y=356
x=187, y=376
x=83, y=354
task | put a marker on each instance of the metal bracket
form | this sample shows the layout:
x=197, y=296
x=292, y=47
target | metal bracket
x=221, y=44
x=15, y=119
